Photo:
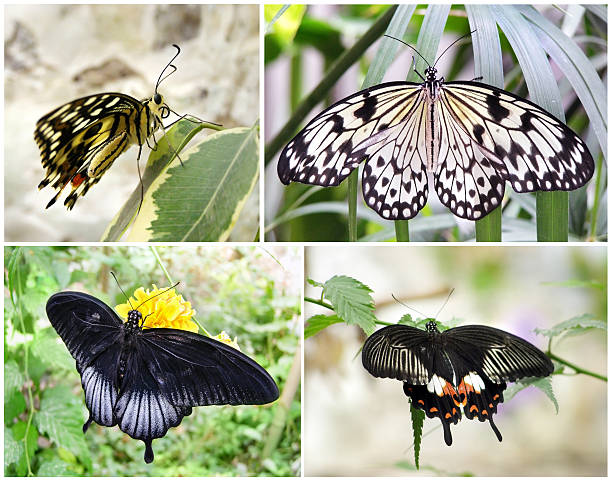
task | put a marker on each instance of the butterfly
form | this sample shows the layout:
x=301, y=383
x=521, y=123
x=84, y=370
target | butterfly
x=472, y=136
x=147, y=380
x=465, y=367
x=80, y=140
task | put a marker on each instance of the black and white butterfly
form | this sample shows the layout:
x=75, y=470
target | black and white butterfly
x=464, y=367
x=473, y=137
x=147, y=380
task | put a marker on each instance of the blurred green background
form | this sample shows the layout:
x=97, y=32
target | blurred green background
x=358, y=425
x=250, y=293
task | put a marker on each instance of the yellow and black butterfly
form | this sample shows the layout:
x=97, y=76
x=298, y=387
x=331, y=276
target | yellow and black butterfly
x=80, y=140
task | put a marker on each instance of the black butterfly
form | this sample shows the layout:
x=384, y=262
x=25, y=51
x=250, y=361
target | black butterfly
x=464, y=367
x=147, y=380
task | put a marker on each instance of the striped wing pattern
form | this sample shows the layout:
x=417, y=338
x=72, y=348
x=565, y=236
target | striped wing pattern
x=464, y=368
x=473, y=138
x=80, y=140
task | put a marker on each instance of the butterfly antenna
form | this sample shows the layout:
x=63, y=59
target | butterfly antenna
x=409, y=46
x=445, y=302
x=120, y=288
x=448, y=48
x=158, y=294
x=169, y=65
x=406, y=306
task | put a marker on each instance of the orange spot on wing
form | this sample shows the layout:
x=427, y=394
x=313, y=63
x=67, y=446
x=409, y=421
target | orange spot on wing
x=473, y=408
x=433, y=410
x=78, y=179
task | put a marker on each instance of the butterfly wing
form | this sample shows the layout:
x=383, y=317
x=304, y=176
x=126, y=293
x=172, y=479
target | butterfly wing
x=194, y=370
x=493, y=136
x=327, y=150
x=80, y=140
x=501, y=356
x=400, y=352
x=92, y=333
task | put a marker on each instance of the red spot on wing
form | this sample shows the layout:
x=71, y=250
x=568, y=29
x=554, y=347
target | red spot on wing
x=78, y=179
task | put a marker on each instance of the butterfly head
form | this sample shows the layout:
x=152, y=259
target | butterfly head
x=134, y=319
x=431, y=326
x=431, y=74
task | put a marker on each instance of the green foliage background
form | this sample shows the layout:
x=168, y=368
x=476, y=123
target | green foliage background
x=247, y=292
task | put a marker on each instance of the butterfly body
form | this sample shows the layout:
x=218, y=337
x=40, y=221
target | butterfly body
x=147, y=380
x=80, y=140
x=473, y=137
x=462, y=369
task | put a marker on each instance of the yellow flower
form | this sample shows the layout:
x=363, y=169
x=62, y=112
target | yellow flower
x=223, y=337
x=160, y=308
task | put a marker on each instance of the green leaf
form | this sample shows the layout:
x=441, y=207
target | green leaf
x=54, y=467
x=60, y=418
x=573, y=326
x=352, y=301
x=159, y=159
x=318, y=323
x=201, y=199
x=14, y=405
x=315, y=283
x=27, y=442
x=543, y=384
x=13, y=378
x=406, y=319
x=51, y=352
x=418, y=417
x=13, y=449
x=577, y=283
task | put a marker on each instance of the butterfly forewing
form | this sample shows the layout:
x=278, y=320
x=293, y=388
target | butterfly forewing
x=87, y=326
x=399, y=352
x=323, y=153
x=198, y=371
x=500, y=355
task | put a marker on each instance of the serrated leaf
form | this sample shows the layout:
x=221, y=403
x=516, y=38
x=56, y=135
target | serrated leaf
x=201, y=199
x=406, y=319
x=418, y=417
x=13, y=378
x=544, y=384
x=574, y=325
x=318, y=323
x=60, y=418
x=352, y=301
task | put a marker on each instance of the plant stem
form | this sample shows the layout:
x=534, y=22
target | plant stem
x=353, y=182
x=488, y=229
x=552, y=216
x=402, y=232
x=578, y=370
x=318, y=302
x=595, y=209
